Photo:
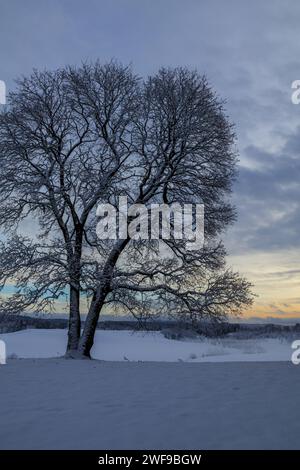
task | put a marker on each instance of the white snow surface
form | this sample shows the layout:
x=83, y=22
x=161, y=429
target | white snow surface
x=148, y=392
x=149, y=346
x=76, y=404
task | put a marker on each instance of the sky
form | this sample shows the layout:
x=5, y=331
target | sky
x=250, y=53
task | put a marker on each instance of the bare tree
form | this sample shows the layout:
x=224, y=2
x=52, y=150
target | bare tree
x=77, y=137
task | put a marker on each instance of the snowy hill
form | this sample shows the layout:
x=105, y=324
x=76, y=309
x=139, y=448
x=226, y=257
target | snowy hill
x=151, y=346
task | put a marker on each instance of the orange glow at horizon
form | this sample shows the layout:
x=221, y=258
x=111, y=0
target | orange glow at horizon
x=276, y=281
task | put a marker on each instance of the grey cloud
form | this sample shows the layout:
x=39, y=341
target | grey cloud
x=248, y=50
x=268, y=198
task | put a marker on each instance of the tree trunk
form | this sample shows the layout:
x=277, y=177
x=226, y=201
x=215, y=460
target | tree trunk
x=74, y=328
x=87, y=339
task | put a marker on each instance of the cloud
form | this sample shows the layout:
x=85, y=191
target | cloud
x=249, y=52
x=267, y=196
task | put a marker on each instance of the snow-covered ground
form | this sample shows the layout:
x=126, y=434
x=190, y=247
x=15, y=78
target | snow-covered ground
x=148, y=392
x=68, y=404
x=150, y=346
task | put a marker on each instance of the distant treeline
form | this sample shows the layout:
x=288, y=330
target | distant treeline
x=171, y=329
